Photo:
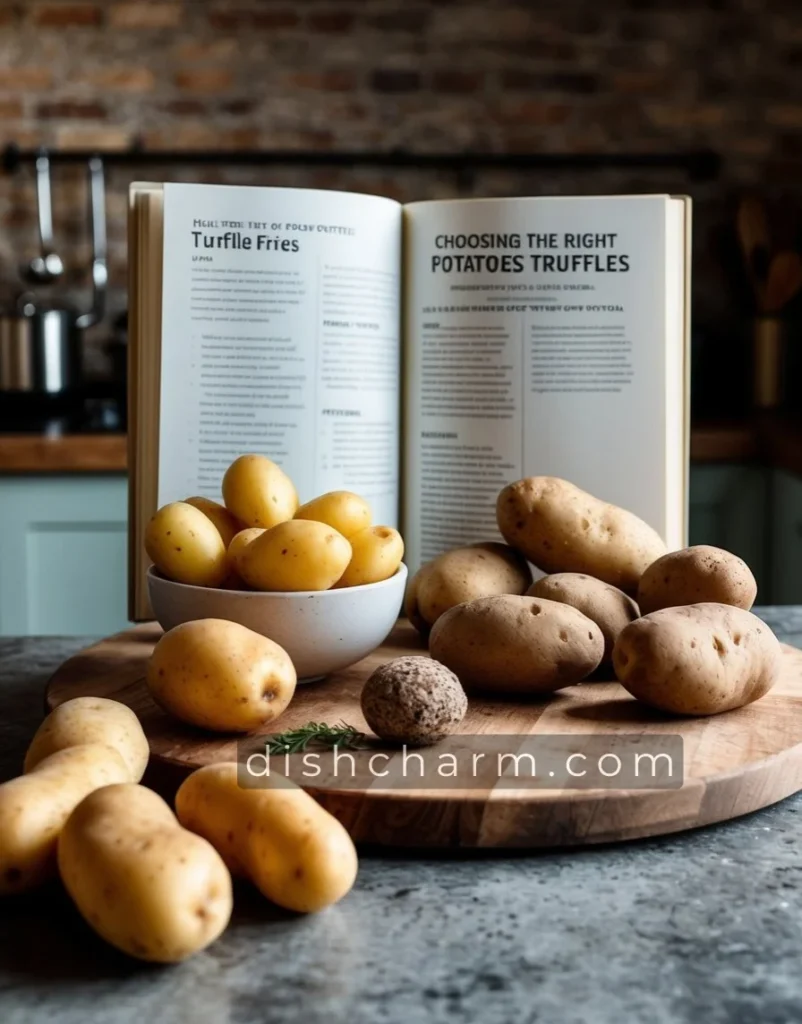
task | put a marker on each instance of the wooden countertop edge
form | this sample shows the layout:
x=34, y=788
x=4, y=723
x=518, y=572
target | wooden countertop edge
x=70, y=453
x=767, y=440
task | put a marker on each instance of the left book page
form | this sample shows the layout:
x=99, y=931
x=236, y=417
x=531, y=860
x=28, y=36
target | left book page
x=261, y=320
x=280, y=335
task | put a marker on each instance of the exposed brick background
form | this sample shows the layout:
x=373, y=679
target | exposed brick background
x=557, y=76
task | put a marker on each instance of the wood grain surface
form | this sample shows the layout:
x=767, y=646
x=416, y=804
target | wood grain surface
x=734, y=763
x=72, y=453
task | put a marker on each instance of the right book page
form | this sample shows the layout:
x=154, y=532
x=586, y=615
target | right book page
x=543, y=336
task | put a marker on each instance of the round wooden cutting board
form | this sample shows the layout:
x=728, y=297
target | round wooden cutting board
x=734, y=763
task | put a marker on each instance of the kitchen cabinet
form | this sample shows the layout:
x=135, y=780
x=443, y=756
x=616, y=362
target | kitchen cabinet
x=730, y=508
x=63, y=554
x=786, y=531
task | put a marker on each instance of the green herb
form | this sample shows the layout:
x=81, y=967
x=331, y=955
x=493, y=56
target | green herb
x=294, y=741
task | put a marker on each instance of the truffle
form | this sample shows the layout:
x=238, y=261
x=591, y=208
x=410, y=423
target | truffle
x=413, y=700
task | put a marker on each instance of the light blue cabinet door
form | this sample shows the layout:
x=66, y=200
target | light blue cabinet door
x=63, y=555
x=787, y=538
x=729, y=508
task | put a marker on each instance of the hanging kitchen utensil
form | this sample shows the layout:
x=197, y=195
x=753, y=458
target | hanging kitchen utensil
x=47, y=266
x=97, y=219
x=41, y=346
x=753, y=233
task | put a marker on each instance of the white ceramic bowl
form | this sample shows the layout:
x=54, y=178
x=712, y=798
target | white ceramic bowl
x=321, y=630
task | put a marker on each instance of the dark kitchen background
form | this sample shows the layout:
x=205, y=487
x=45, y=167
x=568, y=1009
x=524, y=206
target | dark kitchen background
x=636, y=96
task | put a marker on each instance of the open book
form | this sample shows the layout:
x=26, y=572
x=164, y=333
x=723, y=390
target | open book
x=421, y=355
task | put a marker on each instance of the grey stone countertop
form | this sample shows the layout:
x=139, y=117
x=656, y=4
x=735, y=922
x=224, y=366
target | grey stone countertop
x=701, y=927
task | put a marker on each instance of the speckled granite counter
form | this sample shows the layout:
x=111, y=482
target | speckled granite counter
x=704, y=927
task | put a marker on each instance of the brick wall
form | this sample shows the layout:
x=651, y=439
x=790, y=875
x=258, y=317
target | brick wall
x=568, y=76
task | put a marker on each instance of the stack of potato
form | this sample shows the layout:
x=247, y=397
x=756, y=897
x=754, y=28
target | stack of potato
x=674, y=627
x=154, y=883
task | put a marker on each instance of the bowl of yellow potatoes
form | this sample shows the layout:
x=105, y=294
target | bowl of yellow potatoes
x=319, y=579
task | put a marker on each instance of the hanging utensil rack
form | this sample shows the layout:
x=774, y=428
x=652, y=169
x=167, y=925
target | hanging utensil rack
x=699, y=165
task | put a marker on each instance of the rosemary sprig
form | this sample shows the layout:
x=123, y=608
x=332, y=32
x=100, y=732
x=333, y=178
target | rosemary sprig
x=294, y=741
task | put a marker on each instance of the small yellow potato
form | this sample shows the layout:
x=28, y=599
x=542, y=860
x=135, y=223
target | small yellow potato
x=258, y=492
x=92, y=720
x=297, y=555
x=697, y=575
x=697, y=659
x=141, y=881
x=561, y=528
x=228, y=526
x=610, y=608
x=239, y=542
x=277, y=836
x=376, y=556
x=465, y=574
x=344, y=510
x=186, y=546
x=516, y=645
x=34, y=807
x=220, y=675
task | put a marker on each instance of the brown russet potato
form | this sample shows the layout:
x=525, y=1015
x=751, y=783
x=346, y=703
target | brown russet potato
x=697, y=659
x=516, y=645
x=561, y=528
x=610, y=608
x=697, y=575
x=464, y=574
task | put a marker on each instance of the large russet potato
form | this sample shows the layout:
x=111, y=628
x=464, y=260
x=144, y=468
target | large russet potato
x=144, y=883
x=220, y=675
x=610, y=608
x=297, y=555
x=517, y=645
x=91, y=720
x=186, y=546
x=561, y=528
x=277, y=836
x=697, y=659
x=34, y=807
x=464, y=574
x=697, y=575
x=258, y=492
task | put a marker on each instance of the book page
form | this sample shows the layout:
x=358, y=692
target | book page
x=280, y=335
x=536, y=343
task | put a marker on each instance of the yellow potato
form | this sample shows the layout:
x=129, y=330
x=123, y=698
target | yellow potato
x=220, y=675
x=297, y=555
x=377, y=554
x=697, y=659
x=92, y=720
x=186, y=546
x=294, y=852
x=258, y=492
x=234, y=580
x=561, y=528
x=144, y=883
x=344, y=510
x=34, y=807
x=228, y=526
